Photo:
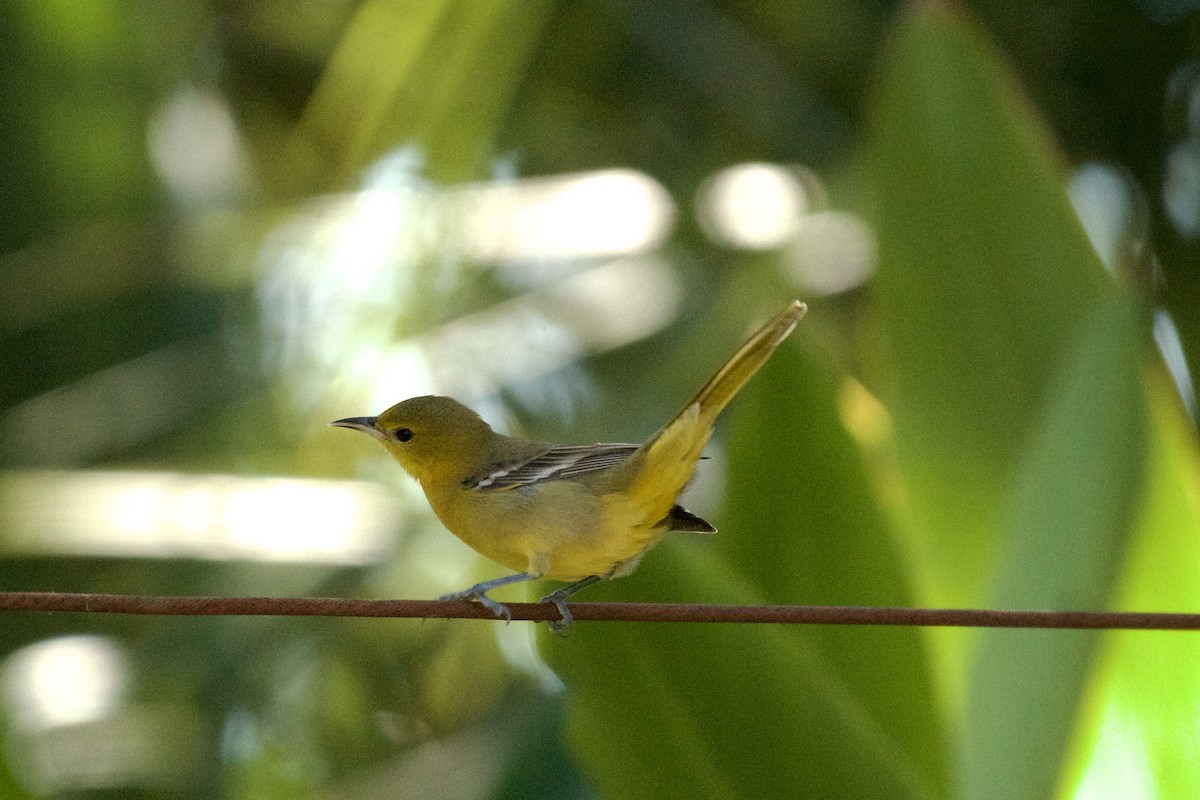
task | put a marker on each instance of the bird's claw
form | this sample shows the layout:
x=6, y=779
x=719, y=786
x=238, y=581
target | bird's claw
x=497, y=608
x=559, y=626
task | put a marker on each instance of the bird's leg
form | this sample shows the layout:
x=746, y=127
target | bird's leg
x=559, y=598
x=479, y=592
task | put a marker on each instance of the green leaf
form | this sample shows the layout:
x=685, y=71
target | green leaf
x=1135, y=735
x=1013, y=385
x=803, y=525
x=1074, y=503
x=412, y=73
x=985, y=277
x=716, y=711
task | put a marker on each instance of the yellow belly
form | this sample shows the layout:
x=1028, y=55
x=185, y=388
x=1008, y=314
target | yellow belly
x=555, y=529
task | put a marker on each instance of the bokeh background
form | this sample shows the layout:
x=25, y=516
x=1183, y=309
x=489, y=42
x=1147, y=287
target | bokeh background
x=229, y=222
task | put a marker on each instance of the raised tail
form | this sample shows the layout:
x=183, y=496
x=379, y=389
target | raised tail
x=749, y=358
x=663, y=465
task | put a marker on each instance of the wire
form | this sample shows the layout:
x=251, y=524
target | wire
x=592, y=612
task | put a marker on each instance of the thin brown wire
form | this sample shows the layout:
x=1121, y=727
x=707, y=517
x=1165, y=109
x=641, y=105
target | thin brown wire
x=593, y=612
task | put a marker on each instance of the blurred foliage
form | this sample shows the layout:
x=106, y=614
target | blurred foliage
x=987, y=422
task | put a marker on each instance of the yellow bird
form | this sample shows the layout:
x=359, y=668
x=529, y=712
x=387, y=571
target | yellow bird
x=579, y=513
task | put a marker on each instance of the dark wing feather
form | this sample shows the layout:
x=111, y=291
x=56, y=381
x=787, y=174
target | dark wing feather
x=554, y=463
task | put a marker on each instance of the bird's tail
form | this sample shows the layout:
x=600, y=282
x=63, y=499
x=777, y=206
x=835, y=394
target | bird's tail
x=663, y=465
x=749, y=358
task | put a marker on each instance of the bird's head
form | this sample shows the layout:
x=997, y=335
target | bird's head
x=432, y=437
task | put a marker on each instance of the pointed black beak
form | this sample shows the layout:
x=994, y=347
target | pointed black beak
x=364, y=424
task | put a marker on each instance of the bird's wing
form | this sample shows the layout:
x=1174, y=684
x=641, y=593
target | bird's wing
x=555, y=462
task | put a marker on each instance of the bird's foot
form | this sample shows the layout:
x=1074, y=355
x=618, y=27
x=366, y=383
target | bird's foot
x=479, y=592
x=559, y=599
x=480, y=596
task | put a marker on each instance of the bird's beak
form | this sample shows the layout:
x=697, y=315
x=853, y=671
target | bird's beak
x=364, y=424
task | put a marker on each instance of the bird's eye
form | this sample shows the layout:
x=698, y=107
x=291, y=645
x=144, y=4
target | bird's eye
x=403, y=434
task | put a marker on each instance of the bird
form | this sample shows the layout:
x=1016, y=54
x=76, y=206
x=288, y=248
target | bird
x=576, y=513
